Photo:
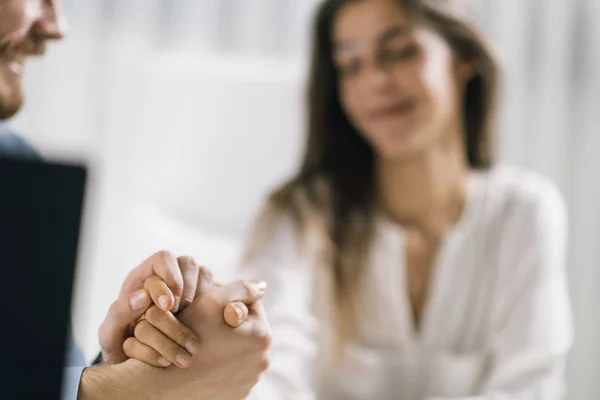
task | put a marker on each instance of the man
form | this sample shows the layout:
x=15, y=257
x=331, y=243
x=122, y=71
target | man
x=227, y=362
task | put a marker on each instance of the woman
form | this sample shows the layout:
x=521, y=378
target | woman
x=401, y=264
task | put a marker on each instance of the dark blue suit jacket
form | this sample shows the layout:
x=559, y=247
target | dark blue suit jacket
x=13, y=146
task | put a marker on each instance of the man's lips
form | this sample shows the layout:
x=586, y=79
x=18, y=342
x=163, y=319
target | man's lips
x=21, y=51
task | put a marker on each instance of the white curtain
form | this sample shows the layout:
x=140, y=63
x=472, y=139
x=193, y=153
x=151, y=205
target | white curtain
x=551, y=123
x=188, y=111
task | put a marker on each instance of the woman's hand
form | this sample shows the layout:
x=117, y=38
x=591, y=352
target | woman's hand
x=161, y=340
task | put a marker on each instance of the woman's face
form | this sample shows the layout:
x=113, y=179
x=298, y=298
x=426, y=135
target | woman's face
x=399, y=84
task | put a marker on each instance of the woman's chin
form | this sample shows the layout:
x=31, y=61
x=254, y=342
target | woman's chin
x=399, y=154
x=398, y=146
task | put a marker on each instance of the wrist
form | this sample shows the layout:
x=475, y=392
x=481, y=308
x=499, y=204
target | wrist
x=94, y=383
x=131, y=380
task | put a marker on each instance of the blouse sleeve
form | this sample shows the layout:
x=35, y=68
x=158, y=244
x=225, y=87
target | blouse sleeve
x=289, y=306
x=532, y=328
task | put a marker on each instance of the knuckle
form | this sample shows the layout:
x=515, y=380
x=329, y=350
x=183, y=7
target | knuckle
x=142, y=329
x=154, y=314
x=113, y=310
x=129, y=347
x=103, y=336
x=247, y=290
x=141, y=353
x=264, y=364
x=164, y=255
x=151, y=281
x=176, y=285
x=205, y=280
x=262, y=337
x=265, y=341
x=107, y=325
x=188, y=261
x=102, y=329
x=187, y=299
x=205, y=272
x=167, y=258
x=171, y=348
x=147, y=355
x=181, y=336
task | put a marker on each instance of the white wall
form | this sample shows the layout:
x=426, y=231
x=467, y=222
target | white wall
x=188, y=112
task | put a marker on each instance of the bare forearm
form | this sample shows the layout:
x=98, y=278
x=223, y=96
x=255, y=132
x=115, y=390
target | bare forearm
x=131, y=380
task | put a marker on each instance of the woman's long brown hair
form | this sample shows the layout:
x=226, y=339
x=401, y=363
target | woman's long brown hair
x=332, y=199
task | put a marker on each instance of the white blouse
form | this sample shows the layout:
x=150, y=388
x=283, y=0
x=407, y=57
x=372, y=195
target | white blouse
x=497, y=323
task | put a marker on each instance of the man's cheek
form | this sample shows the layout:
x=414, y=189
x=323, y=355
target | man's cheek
x=17, y=17
x=10, y=26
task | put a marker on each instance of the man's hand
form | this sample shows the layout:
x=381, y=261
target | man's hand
x=163, y=279
x=160, y=339
x=227, y=365
x=230, y=360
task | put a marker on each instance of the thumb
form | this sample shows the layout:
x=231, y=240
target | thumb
x=235, y=314
x=119, y=323
x=247, y=292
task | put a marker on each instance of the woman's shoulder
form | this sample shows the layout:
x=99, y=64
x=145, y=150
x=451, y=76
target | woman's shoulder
x=275, y=231
x=522, y=203
x=291, y=221
x=513, y=188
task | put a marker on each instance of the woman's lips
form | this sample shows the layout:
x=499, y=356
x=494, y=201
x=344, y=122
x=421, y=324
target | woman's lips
x=393, y=110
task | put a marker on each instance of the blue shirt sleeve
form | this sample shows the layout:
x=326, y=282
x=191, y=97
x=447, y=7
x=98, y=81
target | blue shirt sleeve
x=70, y=385
x=75, y=365
x=14, y=146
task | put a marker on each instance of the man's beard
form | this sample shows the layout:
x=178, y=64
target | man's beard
x=11, y=94
x=10, y=104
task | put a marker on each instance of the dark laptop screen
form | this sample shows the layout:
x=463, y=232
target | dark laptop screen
x=40, y=215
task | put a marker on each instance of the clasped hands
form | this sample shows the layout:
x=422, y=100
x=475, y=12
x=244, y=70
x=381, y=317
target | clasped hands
x=207, y=338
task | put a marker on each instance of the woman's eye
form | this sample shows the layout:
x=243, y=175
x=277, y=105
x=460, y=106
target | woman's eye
x=404, y=54
x=348, y=69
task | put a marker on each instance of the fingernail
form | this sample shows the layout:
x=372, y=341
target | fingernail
x=239, y=312
x=163, y=302
x=261, y=286
x=183, y=359
x=137, y=300
x=164, y=362
x=193, y=346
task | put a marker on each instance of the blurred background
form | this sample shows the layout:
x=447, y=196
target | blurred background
x=189, y=111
